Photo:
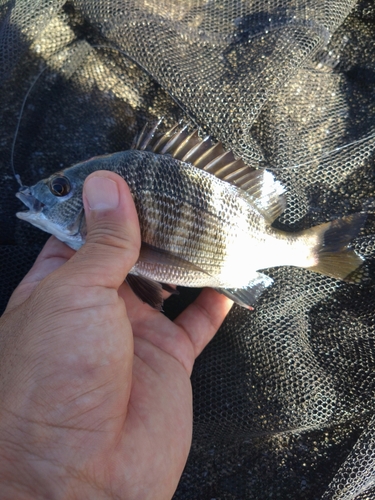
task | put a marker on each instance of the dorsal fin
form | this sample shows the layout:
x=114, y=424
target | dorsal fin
x=260, y=186
x=265, y=193
x=189, y=147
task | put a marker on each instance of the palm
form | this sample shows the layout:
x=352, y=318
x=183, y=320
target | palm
x=131, y=416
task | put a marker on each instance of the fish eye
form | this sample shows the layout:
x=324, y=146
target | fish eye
x=59, y=185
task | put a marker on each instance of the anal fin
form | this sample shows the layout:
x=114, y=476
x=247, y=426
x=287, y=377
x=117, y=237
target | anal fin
x=247, y=296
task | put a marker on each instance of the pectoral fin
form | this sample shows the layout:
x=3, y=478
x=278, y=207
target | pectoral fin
x=247, y=296
x=155, y=255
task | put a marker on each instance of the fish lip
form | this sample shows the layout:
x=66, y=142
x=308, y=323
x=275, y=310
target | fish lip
x=32, y=203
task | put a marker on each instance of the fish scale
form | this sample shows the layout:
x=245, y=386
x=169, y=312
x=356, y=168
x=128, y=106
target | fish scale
x=196, y=222
x=196, y=228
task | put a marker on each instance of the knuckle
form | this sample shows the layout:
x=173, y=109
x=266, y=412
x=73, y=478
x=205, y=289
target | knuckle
x=113, y=236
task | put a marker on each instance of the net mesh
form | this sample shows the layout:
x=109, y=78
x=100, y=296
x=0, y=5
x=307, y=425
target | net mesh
x=283, y=396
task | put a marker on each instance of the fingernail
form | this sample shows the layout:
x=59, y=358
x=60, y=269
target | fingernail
x=102, y=193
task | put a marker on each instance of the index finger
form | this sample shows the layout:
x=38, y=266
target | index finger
x=202, y=319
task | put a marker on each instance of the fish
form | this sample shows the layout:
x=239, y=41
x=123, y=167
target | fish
x=205, y=218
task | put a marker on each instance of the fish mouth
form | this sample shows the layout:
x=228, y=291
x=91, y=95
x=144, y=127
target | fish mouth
x=33, y=204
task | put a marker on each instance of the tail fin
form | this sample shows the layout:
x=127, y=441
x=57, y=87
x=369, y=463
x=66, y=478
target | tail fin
x=332, y=254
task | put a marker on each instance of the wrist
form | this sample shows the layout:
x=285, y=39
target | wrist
x=14, y=484
x=12, y=491
x=24, y=471
x=25, y=476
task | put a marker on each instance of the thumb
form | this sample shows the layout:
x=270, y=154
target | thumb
x=113, y=235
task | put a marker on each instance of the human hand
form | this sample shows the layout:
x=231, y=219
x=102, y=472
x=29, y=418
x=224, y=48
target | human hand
x=95, y=394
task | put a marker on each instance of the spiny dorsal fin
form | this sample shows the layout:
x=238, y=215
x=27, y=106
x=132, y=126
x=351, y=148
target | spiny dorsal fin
x=262, y=190
x=189, y=147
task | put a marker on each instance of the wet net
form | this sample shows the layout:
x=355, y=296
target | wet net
x=283, y=396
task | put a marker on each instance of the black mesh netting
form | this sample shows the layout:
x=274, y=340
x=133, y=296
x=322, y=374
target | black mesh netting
x=284, y=396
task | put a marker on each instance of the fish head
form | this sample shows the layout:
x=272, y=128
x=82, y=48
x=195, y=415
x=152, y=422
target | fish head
x=55, y=206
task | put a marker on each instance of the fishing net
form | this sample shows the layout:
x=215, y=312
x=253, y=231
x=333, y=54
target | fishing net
x=284, y=395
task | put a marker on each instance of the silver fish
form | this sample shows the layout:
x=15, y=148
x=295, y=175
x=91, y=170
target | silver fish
x=205, y=218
